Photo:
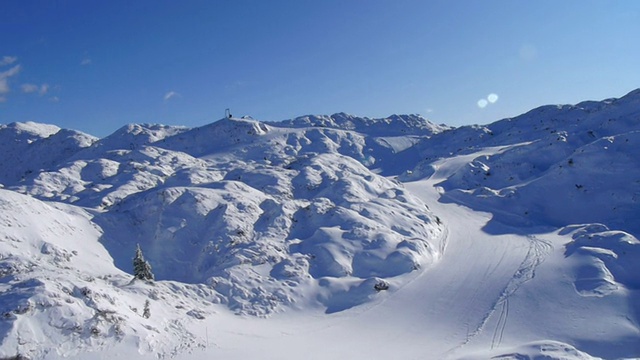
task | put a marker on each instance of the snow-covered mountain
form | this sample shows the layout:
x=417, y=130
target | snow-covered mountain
x=567, y=159
x=509, y=240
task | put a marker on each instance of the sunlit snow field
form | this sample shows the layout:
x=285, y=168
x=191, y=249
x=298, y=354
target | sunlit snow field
x=326, y=237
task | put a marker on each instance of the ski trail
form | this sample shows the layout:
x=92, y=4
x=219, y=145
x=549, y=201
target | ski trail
x=538, y=250
x=502, y=323
x=444, y=240
x=493, y=316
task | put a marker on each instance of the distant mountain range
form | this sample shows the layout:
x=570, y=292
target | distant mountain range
x=313, y=214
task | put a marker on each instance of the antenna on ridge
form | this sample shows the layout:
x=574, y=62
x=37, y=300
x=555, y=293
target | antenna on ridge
x=227, y=113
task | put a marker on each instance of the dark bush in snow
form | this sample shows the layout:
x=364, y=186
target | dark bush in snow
x=381, y=285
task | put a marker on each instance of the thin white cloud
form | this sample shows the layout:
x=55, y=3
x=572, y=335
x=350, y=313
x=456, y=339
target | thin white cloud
x=29, y=88
x=170, y=95
x=33, y=88
x=8, y=60
x=4, y=78
x=4, y=86
x=85, y=61
x=14, y=70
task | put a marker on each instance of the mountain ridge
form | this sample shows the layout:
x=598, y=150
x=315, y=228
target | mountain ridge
x=322, y=215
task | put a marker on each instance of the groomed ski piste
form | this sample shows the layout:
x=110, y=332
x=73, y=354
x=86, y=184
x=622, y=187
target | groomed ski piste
x=326, y=237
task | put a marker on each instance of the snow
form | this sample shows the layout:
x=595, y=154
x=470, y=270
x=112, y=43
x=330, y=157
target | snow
x=393, y=125
x=326, y=236
x=26, y=148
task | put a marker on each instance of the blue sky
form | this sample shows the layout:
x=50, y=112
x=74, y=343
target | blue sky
x=95, y=66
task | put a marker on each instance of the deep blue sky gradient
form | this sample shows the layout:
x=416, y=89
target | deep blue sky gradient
x=104, y=64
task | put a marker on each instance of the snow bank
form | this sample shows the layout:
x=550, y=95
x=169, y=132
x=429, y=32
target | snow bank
x=608, y=260
x=537, y=350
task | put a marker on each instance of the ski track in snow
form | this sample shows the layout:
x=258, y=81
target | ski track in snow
x=538, y=249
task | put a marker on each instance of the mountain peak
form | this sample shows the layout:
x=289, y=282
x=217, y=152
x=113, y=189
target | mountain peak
x=393, y=125
x=31, y=129
x=223, y=133
x=633, y=96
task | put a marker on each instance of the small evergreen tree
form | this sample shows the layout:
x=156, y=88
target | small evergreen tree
x=146, y=312
x=141, y=267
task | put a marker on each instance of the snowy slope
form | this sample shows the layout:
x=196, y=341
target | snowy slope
x=215, y=203
x=27, y=149
x=556, y=162
x=278, y=211
x=513, y=240
x=263, y=218
x=60, y=293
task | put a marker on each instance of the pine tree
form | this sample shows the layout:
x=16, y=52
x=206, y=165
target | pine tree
x=146, y=312
x=141, y=267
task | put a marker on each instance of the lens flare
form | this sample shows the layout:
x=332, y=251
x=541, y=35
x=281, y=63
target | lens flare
x=482, y=103
x=492, y=98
